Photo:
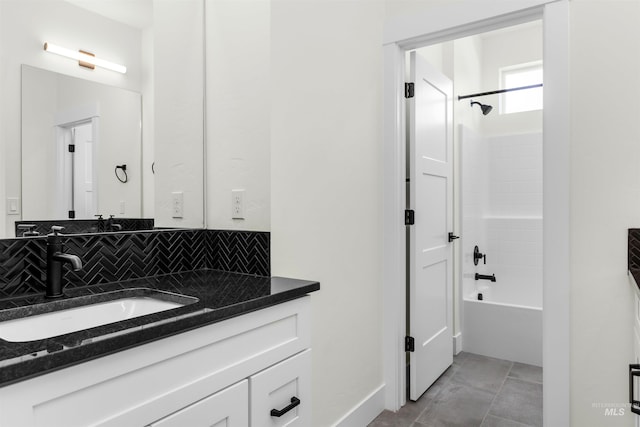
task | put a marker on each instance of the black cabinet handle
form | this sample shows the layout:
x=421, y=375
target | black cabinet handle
x=278, y=413
x=634, y=371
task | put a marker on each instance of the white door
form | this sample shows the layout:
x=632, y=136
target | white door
x=83, y=191
x=430, y=252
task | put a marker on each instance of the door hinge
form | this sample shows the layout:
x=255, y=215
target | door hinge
x=409, y=217
x=72, y=148
x=408, y=90
x=72, y=214
x=409, y=344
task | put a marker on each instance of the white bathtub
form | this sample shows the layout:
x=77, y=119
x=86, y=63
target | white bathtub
x=505, y=331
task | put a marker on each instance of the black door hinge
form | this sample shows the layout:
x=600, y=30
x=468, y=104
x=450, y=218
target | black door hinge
x=72, y=214
x=409, y=217
x=409, y=344
x=72, y=148
x=408, y=90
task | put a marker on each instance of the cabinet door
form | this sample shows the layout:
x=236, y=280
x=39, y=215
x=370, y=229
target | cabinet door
x=281, y=394
x=226, y=408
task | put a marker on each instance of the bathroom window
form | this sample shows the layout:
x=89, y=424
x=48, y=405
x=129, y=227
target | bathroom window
x=518, y=76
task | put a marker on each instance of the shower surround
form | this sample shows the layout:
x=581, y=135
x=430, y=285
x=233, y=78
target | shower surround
x=502, y=214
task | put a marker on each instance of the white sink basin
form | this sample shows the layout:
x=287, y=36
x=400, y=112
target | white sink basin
x=62, y=322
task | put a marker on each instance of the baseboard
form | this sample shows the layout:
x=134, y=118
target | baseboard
x=365, y=411
x=457, y=343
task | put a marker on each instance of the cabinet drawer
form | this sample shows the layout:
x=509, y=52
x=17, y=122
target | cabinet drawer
x=285, y=387
x=229, y=407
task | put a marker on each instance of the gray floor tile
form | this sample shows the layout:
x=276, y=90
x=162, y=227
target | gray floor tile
x=465, y=394
x=526, y=372
x=519, y=401
x=491, y=421
x=389, y=419
x=404, y=417
x=433, y=391
x=485, y=373
x=459, y=358
x=457, y=406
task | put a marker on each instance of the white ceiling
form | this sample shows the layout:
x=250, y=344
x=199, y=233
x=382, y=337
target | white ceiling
x=135, y=13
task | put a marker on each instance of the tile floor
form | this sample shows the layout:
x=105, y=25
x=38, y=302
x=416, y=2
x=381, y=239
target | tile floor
x=476, y=391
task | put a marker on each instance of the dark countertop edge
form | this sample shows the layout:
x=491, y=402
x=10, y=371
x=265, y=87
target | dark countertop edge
x=635, y=275
x=60, y=360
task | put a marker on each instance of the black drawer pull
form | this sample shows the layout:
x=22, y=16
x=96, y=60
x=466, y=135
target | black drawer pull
x=278, y=413
x=634, y=371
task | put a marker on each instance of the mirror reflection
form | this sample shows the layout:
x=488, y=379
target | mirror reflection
x=81, y=146
x=119, y=125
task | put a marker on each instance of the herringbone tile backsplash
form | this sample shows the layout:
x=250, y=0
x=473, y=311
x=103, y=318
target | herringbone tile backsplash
x=634, y=249
x=111, y=257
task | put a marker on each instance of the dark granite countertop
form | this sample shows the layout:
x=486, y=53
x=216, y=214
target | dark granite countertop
x=221, y=295
x=635, y=274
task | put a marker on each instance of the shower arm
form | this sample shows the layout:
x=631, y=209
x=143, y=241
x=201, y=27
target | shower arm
x=494, y=92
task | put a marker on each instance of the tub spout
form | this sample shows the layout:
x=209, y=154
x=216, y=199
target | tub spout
x=485, y=277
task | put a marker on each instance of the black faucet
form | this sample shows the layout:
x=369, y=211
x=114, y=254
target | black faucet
x=30, y=230
x=55, y=259
x=100, y=223
x=112, y=226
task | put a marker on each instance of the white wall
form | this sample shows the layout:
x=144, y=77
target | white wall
x=238, y=112
x=605, y=201
x=25, y=26
x=326, y=188
x=179, y=110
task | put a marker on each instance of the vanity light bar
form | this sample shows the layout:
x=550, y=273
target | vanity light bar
x=83, y=57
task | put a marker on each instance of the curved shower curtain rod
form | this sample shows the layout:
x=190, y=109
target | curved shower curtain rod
x=493, y=92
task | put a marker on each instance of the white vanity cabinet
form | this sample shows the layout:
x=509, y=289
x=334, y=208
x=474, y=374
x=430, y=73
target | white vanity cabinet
x=230, y=373
x=284, y=388
x=227, y=407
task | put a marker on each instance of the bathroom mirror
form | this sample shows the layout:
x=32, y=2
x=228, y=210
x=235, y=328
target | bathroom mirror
x=154, y=143
x=81, y=148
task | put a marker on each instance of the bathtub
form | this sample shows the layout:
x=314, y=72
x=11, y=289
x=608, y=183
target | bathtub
x=505, y=331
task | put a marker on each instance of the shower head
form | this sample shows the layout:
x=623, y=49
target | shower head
x=486, y=109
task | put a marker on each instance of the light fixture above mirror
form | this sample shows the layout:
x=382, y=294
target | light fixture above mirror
x=85, y=59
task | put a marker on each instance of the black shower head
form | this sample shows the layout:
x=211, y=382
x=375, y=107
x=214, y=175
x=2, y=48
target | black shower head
x=486, y=109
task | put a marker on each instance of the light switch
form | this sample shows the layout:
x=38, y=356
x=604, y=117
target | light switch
x=13, y=206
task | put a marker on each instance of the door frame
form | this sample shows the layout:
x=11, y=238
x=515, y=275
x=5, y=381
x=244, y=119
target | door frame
x=62, y=121
x=446, y=23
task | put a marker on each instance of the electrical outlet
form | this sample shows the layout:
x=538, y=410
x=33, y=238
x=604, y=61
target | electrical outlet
x=177, y=204
x=122, y=207
x=237, y=204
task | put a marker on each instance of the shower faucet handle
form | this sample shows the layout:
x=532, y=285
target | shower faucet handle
x=477, y=256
